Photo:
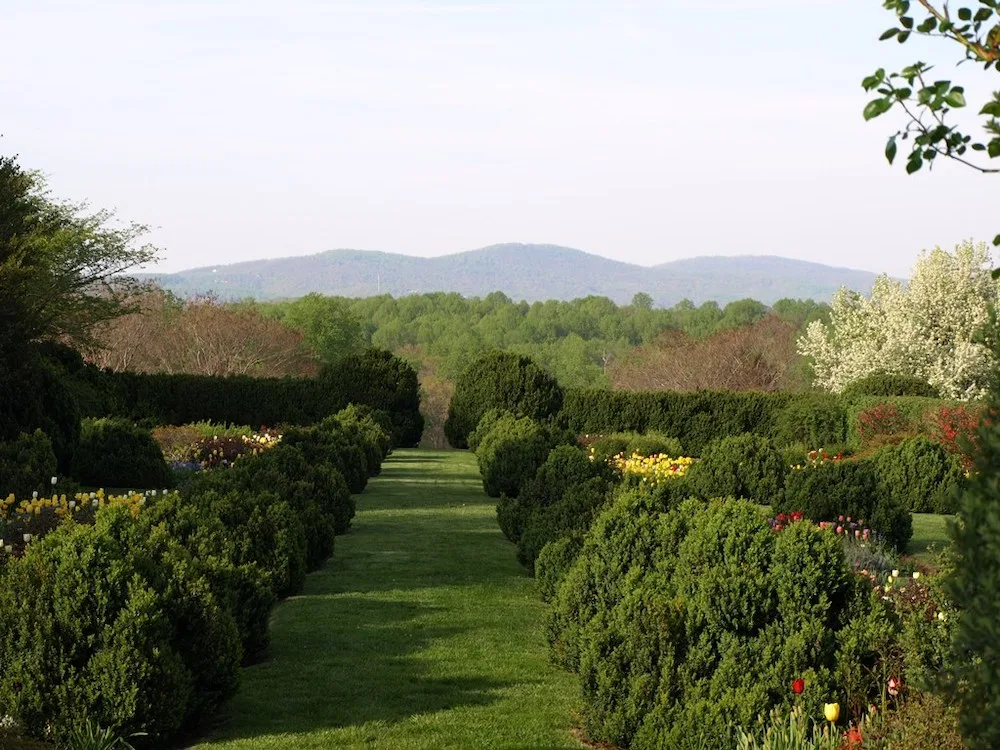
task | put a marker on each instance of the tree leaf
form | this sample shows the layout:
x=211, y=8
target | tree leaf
x=890, y=149
x=888, y=34
x=876, y=107
x=955, y=98
x=993, y=148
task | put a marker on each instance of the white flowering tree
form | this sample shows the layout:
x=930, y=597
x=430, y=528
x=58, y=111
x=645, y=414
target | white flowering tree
x=929, y=327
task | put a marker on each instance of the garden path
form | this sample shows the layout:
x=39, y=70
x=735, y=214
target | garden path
x=421, y=632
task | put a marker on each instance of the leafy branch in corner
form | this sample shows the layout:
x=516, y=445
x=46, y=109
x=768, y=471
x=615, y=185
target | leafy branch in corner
x=926, y=102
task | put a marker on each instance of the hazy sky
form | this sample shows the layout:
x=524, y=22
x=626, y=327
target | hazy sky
x=641, y=131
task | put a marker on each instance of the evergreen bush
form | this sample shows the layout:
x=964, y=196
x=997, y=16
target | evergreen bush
x=27, y=464
x=747, y=466
x=116, y=453
x=510, y=454
x=500, y=380
x=920, y=475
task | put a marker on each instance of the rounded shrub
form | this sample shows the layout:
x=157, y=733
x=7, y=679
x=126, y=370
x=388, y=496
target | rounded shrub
x=815, y=420
x=510, y=454
x=554, y=562
x=919, y=474
x=500, y=380
x=385, y=382
x=747, y=466
x=564, y=467
x=486, y=423
x=849, y=488
x=693, y=622
x=249, y=526
x=116, y=453
x=572, y=512
x=27, y=464
x=234, y=566
x=887, y=384
x=98, y=623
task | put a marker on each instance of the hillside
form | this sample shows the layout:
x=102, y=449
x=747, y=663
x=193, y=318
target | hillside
x=531, y=272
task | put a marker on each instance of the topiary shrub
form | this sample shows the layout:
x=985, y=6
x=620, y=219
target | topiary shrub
x=747, y=466
x=487, y=423
x=27, y=465
x=510, y=454
x=554, y=562
x=815, y=420
x=245, y=563
x=887, y=384
x=385, y=382
x=115, y=453
x=920, y=475
x=693, y=622
x=113, y=625
x=500, y=380
x=564, y=467
x=849, y=488
x=571, y=512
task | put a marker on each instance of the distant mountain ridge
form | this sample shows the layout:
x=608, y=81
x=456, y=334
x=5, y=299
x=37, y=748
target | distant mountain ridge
x=521, y=271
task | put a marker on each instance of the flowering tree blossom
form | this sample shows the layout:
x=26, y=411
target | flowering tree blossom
x=929, y=327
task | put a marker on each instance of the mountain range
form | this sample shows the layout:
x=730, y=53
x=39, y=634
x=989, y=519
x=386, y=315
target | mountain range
x=521, y=271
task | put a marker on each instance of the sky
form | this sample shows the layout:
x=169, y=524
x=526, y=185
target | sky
x=642, y=131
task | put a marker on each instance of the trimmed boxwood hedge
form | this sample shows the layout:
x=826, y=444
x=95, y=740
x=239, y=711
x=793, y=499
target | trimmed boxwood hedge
x=500, y=380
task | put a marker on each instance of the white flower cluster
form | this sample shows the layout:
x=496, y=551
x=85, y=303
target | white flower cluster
x=929, y=327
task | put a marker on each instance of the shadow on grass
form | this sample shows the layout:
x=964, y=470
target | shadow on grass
x=345, y=662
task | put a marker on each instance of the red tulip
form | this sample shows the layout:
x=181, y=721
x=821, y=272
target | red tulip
x=798, y=686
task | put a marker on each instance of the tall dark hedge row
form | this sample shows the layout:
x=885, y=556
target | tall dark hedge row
x=694, y=418
x=372, y=378
x=504, y=381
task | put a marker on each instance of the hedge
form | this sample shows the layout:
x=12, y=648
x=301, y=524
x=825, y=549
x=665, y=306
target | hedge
x=373, y=379
x=697, y=418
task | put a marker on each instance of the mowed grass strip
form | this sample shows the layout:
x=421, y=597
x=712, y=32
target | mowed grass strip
x=422, y=632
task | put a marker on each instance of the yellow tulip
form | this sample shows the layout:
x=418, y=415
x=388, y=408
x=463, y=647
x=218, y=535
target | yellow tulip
x=831, y=711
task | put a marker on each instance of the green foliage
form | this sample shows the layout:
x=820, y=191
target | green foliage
x=372, y=378
x=888, y=384
x=920, y=474
x=564, y=467
x=91, y=736
x=816, y=420
x=96, y=624
x=328, y=326
x=485, y=424
x=27, y=465
x=378, y=379
x=570, y=513
x=554, y=562
x=927, y=103
x=500, y=380
x=690, y=623
x=974, y=585
x=116, y=453
x=747, y=466
x=35, y=395
x=61, y=271
x=510, y=454
x=849, y=488
x=648, y=444
x=916, y=411
x=695, y=418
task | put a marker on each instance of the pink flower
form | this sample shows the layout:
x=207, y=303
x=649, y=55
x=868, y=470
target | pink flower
x=841, y=519
x=840, y=529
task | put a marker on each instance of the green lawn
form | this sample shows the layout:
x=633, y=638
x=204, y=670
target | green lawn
x=928, y=529
x=421, y=632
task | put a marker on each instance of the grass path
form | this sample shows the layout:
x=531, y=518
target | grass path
x=421, y=632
